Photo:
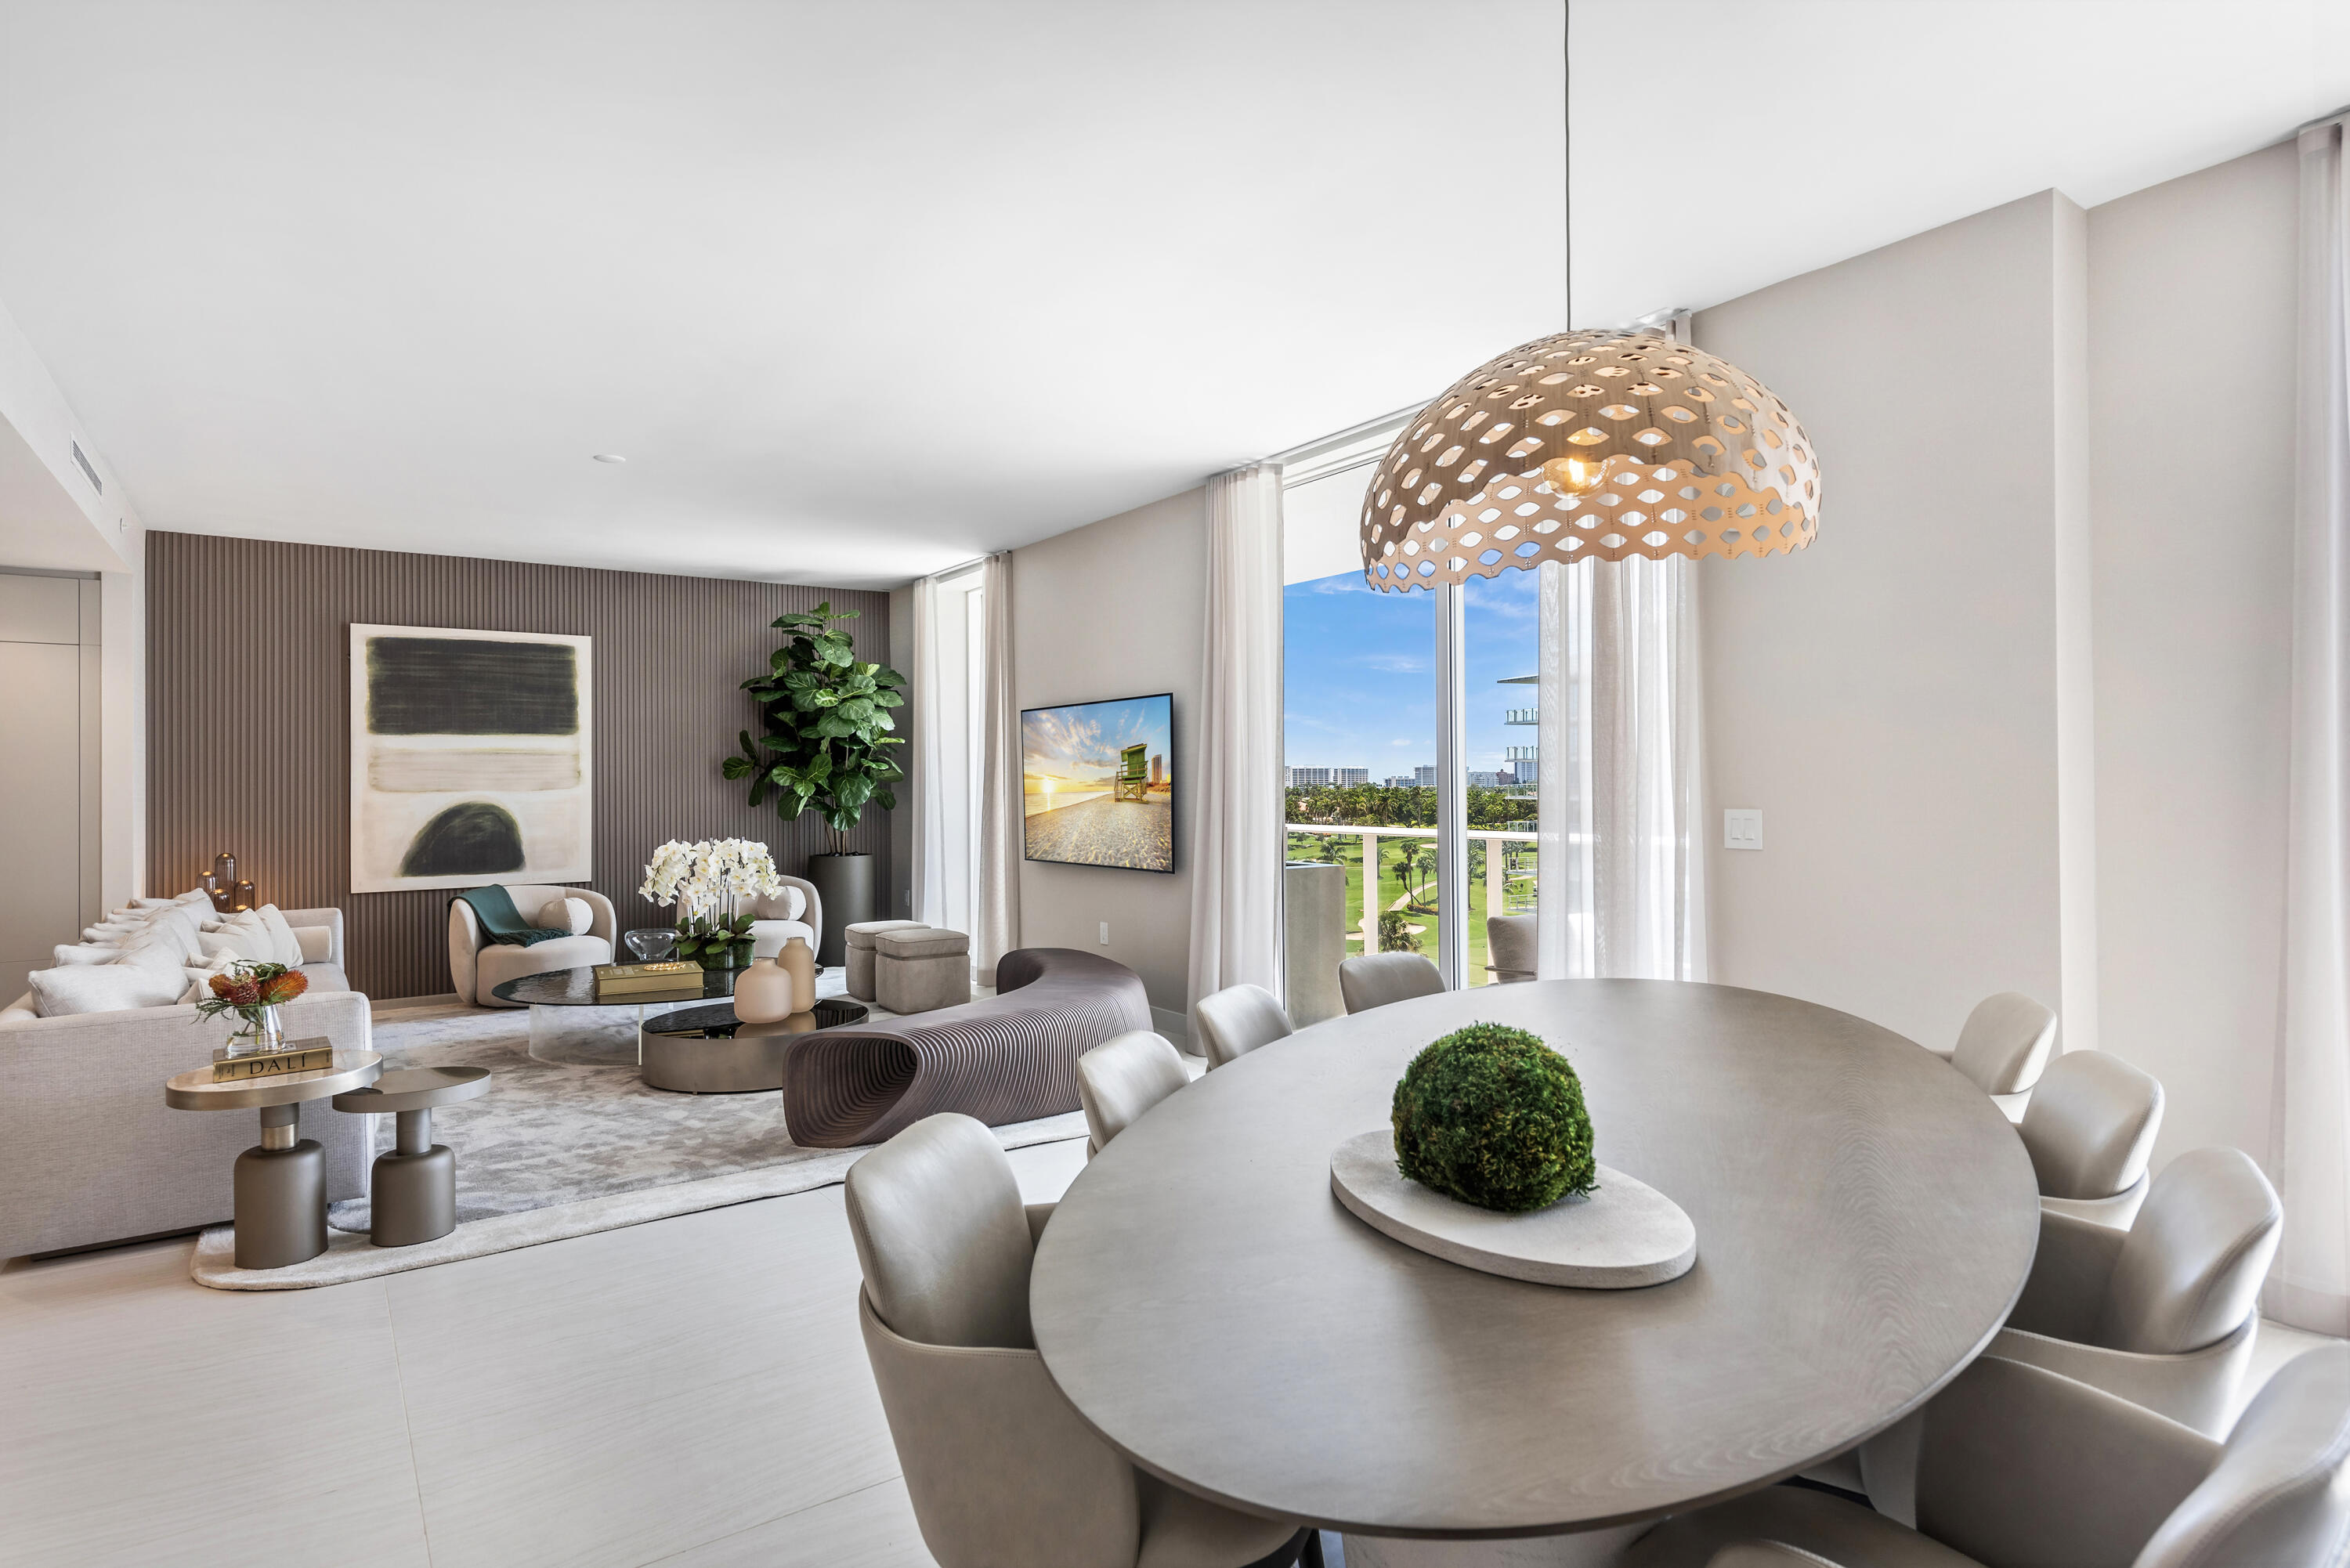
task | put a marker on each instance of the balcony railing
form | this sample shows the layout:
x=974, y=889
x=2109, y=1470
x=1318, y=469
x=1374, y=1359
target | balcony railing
x=1498, y=876
x=1521, y=716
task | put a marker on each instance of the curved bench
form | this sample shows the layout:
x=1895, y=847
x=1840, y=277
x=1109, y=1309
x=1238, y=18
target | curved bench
x=1010, y=1058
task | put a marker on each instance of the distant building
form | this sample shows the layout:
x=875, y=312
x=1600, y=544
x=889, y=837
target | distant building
x=1523, y=765
x=1343, y=776
x=1308, y=778
x=1425, y=777
x=1401, y=784
x=1159, y=767
x=1484, y=780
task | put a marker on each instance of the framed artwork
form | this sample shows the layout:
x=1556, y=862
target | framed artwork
x=1098, y=784
x=472, y=758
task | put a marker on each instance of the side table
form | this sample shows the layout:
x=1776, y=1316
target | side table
x=281, y=1183
x=412, y=1191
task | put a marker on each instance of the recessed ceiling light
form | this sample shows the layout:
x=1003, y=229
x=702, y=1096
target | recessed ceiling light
x=610, y=457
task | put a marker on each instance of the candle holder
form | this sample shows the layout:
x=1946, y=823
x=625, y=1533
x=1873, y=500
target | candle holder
x=220, y=884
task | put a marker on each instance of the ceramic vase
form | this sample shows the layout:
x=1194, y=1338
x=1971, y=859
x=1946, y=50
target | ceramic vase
x=767, y=993
x=799, y=961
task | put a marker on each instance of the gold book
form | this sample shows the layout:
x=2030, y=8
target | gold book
x=300, y=1056
x=651, y=985
x=670, y=969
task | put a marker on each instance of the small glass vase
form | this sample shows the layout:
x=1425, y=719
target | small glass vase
x=265, y=1030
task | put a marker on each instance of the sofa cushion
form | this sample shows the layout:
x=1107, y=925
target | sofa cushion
x=87, y=953
x=497, y=964
x=238, y=938
x=325, y=976
x=318, y=942
x=573, y=917
x=768, y=937
x=113, y=933
x=158, y=950
x=923, y=943
x=180, y=925
x=102, y=988
x=285, y=947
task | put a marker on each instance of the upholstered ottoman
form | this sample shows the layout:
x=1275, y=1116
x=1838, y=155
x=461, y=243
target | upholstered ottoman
x=861, y=952
x=922, y=970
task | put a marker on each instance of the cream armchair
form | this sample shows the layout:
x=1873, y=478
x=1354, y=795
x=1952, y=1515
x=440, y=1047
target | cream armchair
x=2020, y=1467
x=999, y=1468
x=478, y=965
x=772, y=923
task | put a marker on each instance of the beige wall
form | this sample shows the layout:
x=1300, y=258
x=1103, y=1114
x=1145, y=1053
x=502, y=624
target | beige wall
x=1890, y=697
x=2191, y=303
x=1117, y=609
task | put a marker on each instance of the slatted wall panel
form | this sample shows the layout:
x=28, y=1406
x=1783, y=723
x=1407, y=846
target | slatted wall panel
x=249, y=723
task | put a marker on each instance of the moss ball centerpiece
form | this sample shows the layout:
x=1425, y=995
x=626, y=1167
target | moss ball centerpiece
x=1493, y=1116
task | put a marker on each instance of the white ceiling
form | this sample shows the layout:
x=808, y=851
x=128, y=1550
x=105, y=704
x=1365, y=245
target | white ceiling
x=863, y=290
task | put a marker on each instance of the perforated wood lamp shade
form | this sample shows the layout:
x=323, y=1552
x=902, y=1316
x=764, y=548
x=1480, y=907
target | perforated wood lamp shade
x=1692, y=455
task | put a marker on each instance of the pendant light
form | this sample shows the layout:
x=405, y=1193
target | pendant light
x=1589, y=444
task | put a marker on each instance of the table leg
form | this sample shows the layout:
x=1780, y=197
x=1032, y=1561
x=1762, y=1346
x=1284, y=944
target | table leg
x=281, y=1194
x=412, y=1191
x=586, y=1036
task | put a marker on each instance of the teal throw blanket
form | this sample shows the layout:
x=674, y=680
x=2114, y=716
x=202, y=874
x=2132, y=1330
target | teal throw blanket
x=495, y=908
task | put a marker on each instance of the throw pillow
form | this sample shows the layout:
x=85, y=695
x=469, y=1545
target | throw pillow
x=318, y=943
x=199, y=976
x=793, y=903
x=62, y=957
x=244, y=941
x=285, y=947
x=178, y=925
x=153, y=950
x=112, y=934
x=102, y=988
x=571, y=916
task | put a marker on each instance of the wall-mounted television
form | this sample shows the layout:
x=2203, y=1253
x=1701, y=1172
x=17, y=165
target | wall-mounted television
x=1098, y=784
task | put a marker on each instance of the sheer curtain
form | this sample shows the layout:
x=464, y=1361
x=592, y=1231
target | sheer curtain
x=935, y=793
x=1620, y=865
x=1236, y=837
x=2310, y=1286
x=998, y=894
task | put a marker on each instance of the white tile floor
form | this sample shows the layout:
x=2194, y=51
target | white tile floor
x=691, y=1392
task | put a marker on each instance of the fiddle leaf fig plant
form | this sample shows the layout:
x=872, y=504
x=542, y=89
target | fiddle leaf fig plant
x=826, y=726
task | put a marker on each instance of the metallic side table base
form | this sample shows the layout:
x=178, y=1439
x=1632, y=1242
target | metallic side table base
x=281, y=1195
x=412, y=1191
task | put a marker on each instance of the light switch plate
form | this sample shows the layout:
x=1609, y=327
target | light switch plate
x=1105, y=939
x=1742, y=828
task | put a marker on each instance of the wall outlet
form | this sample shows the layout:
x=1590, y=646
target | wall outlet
x=1742, y=828
x=1105, y=926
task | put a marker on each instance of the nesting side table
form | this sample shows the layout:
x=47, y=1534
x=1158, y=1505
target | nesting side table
x=281, y=1183
x=412, y=1191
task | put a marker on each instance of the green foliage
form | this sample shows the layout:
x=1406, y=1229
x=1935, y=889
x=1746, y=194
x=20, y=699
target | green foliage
x=825, y=718
x=1396, y=935
x=715, y=943
x=1490, y=1116
x=1404, y=805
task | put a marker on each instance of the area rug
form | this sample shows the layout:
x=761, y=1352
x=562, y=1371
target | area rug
x=555, y=1150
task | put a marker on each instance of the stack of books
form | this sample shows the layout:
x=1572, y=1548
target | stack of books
x=620, y=981
x=294, y=1056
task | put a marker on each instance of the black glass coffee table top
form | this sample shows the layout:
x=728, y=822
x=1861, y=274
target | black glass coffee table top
x=719, y=1022
x=576, y=988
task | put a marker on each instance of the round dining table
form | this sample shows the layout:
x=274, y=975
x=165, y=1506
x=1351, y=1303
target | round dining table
x=1865, y=1220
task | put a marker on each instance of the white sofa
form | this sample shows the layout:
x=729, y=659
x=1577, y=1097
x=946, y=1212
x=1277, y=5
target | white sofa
x=89, y=1154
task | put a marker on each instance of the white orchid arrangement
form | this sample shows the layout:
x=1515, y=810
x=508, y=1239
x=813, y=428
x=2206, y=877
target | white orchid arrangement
x=707, y=880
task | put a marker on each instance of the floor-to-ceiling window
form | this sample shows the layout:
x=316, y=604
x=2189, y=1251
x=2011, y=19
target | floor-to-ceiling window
x=1502, y=636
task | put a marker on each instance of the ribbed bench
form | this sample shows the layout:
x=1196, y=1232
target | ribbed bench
x=1010, y=1058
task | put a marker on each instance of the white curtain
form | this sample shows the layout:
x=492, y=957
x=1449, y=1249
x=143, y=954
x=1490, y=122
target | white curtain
x=999, y=835
x=935, y=793
x=2310, y=1285
x=1620, y=865
x=1236, y=857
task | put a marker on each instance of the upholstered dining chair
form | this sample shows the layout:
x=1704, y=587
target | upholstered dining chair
x=2089, y=1129
x=2003, y=1045
x=1122, y=1077
x=1375, y=979
x=999, y=1468
x=1510, y=945
x=1236, y=1019
x=2164, y=1313
x=2020, y=1467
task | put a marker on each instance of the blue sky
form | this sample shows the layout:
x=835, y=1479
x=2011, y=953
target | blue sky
x=1359, y=672
x=1082, y=741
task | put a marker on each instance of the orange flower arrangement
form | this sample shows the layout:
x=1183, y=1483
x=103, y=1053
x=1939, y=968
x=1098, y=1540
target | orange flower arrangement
x=246, y=989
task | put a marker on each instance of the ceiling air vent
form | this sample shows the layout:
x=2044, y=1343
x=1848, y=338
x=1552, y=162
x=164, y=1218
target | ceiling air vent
x=88, y=473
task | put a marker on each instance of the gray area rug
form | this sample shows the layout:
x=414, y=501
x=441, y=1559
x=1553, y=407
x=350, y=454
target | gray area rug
x=558, y=1150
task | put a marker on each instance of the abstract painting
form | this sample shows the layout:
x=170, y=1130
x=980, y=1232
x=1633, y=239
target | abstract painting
x=1098, y=784
x=472, y=758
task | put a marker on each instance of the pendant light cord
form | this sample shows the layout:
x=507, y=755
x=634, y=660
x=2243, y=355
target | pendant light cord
x=1566, y=93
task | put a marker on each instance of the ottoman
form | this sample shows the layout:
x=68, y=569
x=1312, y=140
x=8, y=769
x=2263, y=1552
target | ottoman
x=861, y=952
x=922, y=970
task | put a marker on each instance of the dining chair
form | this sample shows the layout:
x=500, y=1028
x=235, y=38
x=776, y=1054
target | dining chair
x=1510, y=945
x=999, y=1467
x=2019, y=1468
x=2089, y=1129
x=2003, y=1045
x=1238, y=1019
x=1121, y=1078
x=2164, y=1313
x=1375, y=979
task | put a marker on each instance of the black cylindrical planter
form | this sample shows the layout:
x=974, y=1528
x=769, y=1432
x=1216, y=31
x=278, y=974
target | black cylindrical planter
x=844, y=883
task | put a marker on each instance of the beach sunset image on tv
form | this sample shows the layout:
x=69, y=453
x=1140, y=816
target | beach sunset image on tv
x=1100, y=783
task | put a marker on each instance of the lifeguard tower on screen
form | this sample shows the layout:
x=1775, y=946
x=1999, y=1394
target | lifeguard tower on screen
x=1132, y=778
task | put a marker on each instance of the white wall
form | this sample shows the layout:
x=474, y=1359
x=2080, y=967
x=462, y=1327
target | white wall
x=2192, y=333
x=1118, y=610
x=1889, y=697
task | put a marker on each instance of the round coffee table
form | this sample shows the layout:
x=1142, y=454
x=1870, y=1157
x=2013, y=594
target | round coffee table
x=708, y=1051
x=281, y=1183
x=572, y=1026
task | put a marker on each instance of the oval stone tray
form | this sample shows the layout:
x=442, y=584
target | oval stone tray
x=1621, y=1236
